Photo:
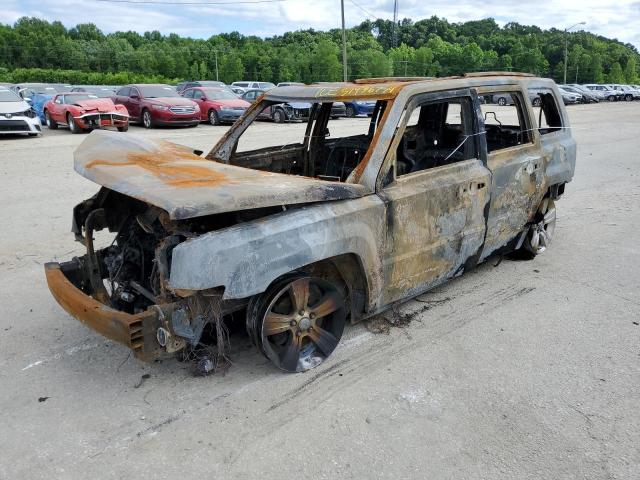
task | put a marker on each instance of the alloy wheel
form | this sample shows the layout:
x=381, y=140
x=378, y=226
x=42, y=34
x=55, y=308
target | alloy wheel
x=300, y=323
x=541, y=232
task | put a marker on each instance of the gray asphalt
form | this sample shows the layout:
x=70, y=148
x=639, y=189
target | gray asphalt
x=516, y=370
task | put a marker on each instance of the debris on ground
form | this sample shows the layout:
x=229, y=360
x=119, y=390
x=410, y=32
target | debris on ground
x=395, y=317
x=142, y=380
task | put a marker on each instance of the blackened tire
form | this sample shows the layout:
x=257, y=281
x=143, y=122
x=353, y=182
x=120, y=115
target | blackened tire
x=123, y=128
x=350, y=111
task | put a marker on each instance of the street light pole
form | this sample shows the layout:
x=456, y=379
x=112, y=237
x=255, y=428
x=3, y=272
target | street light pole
x=344, y=45
x=566, y=45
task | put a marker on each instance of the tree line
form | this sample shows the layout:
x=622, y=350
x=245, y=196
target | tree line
x=33, y=49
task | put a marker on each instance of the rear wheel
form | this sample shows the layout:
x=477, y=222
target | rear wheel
x=502, y=101
x=611, y=98
x=350, y=112
x=279, y=116
x=297, y=322
x=73, y=126
x=540, y=233
x=51, y=123
x=147, y=121
x=536, y=102
x=628, y=98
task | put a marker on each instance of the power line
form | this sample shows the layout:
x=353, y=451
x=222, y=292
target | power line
x=205, y=2
x=364, y=9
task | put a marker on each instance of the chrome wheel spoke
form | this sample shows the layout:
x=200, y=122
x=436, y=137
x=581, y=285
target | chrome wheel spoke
x=275, y=323
x=329, y=303
x=535, y=239
x=300, y=294
x=550, y=216
x=323, y=339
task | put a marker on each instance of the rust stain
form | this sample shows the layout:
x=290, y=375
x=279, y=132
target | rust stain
x=173, y=165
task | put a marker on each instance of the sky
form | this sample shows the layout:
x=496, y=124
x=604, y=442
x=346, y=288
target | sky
x=620, y=19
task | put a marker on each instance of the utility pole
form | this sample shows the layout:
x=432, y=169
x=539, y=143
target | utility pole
x=344, y=46
x=566, y=45
x=394, y=34
x=216, y=52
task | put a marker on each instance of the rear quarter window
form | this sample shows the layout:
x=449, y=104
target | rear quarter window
x=547, y=113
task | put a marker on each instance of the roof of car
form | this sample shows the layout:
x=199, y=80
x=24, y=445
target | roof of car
x=389, y=87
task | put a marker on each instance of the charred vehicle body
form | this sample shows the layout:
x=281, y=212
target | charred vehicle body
x=298, y=237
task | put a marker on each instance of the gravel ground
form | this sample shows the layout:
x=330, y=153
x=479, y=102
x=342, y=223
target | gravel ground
x=513, y=371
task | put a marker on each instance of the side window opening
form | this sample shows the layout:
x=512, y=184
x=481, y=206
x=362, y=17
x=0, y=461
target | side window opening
x=317, y=148
x=547, y=115
x=505, y=124
x=437, y=133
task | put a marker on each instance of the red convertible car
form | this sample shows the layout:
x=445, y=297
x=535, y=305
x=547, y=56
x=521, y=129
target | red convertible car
x=217, y=105
x=84, y=111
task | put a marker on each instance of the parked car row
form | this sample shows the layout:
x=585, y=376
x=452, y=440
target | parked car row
x=26, y=107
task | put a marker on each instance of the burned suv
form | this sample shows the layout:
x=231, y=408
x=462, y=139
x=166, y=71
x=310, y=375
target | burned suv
x=314, y=227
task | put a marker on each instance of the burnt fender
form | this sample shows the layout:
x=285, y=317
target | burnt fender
x=246, y=258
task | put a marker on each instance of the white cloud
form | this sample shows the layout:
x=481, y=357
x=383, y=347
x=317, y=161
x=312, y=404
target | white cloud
x=614, y=20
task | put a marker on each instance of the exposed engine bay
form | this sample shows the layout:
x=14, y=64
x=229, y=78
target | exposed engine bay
x=131, y=274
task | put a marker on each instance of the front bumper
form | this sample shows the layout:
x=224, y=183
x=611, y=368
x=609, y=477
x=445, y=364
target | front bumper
x=229, y=115
x=166, y=117
x=102, y=119
x=136, y=331
x=20, y=124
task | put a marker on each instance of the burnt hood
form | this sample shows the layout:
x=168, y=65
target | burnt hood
x=185, y=185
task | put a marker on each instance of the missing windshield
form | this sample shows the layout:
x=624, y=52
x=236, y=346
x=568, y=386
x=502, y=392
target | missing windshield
x=314, y=148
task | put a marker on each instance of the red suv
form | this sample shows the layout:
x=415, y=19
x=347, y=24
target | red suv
x=157, y=104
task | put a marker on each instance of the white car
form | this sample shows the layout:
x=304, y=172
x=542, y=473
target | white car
x=609, y=93
x=17, y=116
x=629, y=92
x=250, y=84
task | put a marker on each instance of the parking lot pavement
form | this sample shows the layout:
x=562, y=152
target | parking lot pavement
x=515, y=370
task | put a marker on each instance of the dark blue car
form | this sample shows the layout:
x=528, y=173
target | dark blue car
x=359, y=107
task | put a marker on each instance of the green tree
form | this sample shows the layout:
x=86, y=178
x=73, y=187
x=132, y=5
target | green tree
x=615, y=74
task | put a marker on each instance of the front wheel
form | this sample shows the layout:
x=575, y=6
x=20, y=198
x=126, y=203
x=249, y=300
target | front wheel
x=536, y=102
x=628, y=98
x=502, y=101
x=73, y=126
x=123, y=128
x=147, y=121
x=213, y=117
x=297, y=322
x=351, y=112
x=51, y=123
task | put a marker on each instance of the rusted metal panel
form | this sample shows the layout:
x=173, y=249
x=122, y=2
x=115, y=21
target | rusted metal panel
x=118, y=326
x=246, y=258
x=434, y=223
x=187, y=185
